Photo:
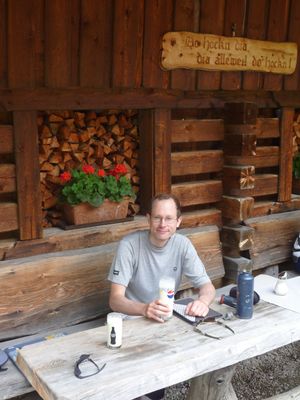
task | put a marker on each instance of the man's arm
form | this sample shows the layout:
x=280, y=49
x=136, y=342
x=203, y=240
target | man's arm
x=119, y=303
x=200, y=307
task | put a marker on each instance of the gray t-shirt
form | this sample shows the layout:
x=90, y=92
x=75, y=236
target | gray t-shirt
x=138, y=265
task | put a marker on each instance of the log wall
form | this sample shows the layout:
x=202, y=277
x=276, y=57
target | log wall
x=116, y=43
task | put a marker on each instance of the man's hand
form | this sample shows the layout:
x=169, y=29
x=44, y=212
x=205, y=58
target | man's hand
x=197, y=308
x=157, y=311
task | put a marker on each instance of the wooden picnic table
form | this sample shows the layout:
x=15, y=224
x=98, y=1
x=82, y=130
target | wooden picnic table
x=155, y=356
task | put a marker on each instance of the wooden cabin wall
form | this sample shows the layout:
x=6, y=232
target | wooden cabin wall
x=116, y=43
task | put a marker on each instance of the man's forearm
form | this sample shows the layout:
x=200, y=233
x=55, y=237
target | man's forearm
x=126, y=306
x=207, y=293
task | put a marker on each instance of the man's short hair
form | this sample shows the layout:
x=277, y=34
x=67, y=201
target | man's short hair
x=166, y=196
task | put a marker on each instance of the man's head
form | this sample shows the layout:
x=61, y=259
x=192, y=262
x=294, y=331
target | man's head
x=164, y=218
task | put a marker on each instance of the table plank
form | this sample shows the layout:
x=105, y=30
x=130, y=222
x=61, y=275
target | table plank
x=153, y=355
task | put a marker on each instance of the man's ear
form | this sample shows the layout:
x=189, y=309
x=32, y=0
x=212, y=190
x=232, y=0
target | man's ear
x=178, y=222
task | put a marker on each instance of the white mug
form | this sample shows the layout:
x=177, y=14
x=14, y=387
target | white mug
x=114, y=330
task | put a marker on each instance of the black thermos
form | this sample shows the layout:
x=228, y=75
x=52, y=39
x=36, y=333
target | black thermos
x=245, y=293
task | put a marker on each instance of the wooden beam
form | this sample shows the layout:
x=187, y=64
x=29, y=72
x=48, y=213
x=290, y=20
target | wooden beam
x=209, y=216
x=264, y=128
x=238, y=236
x=184, y=131
x=28, y=176
x=236, y=208
x=266, y=156
x=240, y=113
x=196, y=162
x=286, y=155
x=233, y=265
x=264, y=184
x=8, y=217
x=198, y=192
x=88, y=98
x=6, y=139
x=239, y=177
x=7, y=178
x=240, y=144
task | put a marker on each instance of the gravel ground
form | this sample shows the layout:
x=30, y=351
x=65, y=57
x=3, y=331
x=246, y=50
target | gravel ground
x=260, y=377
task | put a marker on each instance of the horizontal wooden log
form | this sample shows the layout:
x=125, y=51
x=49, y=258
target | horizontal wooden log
x=238, y=236
x=196, y=162
x=240, y=177
x=7, y=178
x=6, y=139
x=210, y=216
x=274, y=238
x=197, y=130
x=88, y=98
x=237, y=208
x=240, y=113
x=264, y=184
x=262, y=208
x=8, y=217
x=266, y=156
x=203, y=192
x=263, y=129
x=73, y=284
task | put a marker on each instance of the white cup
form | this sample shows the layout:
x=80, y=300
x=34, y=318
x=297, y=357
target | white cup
x=166, y=293
x=114, y=330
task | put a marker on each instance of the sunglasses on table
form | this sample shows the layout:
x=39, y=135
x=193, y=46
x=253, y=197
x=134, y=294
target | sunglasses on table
x=90, y=368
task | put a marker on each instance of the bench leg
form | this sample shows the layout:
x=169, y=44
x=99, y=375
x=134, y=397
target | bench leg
x=214, y=385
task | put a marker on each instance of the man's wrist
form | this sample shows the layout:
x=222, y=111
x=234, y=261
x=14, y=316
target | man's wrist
x=204, y=301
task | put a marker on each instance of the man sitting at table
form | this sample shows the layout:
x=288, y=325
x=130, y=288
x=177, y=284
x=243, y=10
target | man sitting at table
x=143, y=257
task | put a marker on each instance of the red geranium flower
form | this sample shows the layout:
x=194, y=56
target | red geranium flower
x=120, y=169
x=65, y=176
x=101, y=172
x=88, y=169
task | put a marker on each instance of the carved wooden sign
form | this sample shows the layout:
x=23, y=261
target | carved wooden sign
x=220, y=53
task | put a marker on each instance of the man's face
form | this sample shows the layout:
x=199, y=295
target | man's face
x=163, y=221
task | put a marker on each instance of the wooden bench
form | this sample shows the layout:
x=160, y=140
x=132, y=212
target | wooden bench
x=60, y=291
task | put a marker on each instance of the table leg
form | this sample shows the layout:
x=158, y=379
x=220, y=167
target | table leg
x=215, y=385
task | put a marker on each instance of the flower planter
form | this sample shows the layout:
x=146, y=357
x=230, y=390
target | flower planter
x=86, y=214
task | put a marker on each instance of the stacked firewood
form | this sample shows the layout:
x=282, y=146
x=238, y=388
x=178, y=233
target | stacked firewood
x=68, y=139
x=296, y=136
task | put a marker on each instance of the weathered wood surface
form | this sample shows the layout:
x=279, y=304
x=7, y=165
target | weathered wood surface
x=266, y=156
x=236, y=208
x=196, y=162
x=8, y=217
x=7, y=178
x=264, y=128
x=238, y=236
x=239, y=177
x=202, y=192
x=240, y=144
x=293, y=394
x=73, y=284
x=273, y=238
x=210, y=216
x=197, y=130
x=6, y=139
x=264, y=184
x=143, y=344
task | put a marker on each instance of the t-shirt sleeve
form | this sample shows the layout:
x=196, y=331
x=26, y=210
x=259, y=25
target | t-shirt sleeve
x=193, y=267
x=122, y=266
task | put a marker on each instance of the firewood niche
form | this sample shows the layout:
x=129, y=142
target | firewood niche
x=69, y=138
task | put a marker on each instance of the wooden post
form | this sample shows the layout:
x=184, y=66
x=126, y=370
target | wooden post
x=27, y=174
x=214, y=385
x=286, y=155
x=155, y=153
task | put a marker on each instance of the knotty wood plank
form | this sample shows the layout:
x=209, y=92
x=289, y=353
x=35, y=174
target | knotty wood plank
x=3, y=44
x=7, y=178
x=128, y=43
x=95, y=43
x=196, y=162
x=61, y=42
x=269, y=248
x=185, y=131
x=28, y=177
x=6, y=139
x=198, y=192
x=8, y=217
x=291, y=82
x=186, y=18
x=234, y=14
x=159, y=20
x=211, y=21
x=286, y=155
x=255, y=29
x=277, y=31
x=264, y=184
x=25, y=43
x=266, y=156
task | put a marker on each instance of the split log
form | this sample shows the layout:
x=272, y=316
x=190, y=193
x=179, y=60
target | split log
x=238, y=177
x=237, y=208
